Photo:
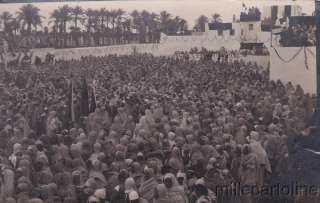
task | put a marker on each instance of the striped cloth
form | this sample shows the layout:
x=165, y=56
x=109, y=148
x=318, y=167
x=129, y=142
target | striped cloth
x=147, y=187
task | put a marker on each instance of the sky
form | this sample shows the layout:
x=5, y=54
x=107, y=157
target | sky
x=187, y=9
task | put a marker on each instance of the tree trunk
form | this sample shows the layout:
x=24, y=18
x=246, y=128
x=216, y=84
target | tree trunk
x=65, y=26
x=113, y=31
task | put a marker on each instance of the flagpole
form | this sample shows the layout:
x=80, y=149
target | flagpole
x=317, y=110
x=94, y=82
x=72, y=102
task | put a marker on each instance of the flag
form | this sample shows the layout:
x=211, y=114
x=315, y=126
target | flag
x=93, y=97
x=72, y=103
x=71, y=115
x=84, y=102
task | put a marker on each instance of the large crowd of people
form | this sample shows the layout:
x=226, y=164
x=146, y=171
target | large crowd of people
x=298, y=35
x=250, y=14
x=145, y=129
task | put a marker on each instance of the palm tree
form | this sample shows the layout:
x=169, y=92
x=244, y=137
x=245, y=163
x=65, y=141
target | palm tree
x=13, y=26
x=105, y=22
x=61, y=16
x=126, y=30
x=77, y=15
x=201, y=23
x=135, y=17
x=136, y=23
x=58, y=26
x=90, y=15
x=56, y=15
x=172, y=26
x=144, y=29
x=154, y=26
x=120, y=14
x=5, y=17
x=216, y=18
x=107, y=18
x=164, y=20
x=65, y=12
x=96, y=17
x=113, y=15
x=119, y=20
x=103, y=16
x=92, y=24
x=183, y=26
x=75, y=34
x=29, y=16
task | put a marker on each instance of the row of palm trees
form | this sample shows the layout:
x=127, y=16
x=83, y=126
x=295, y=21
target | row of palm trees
x=116, y=26
x=74, y=26
x=27, y=17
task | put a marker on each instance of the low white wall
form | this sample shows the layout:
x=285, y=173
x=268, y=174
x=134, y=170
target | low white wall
x=76, y=53
x=209, y=40
x=168, y=46
x=294, y=71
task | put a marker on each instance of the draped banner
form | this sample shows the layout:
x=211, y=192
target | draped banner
x=296, y=65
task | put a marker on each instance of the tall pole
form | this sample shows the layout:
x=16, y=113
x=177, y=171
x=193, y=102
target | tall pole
x=317, y=110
